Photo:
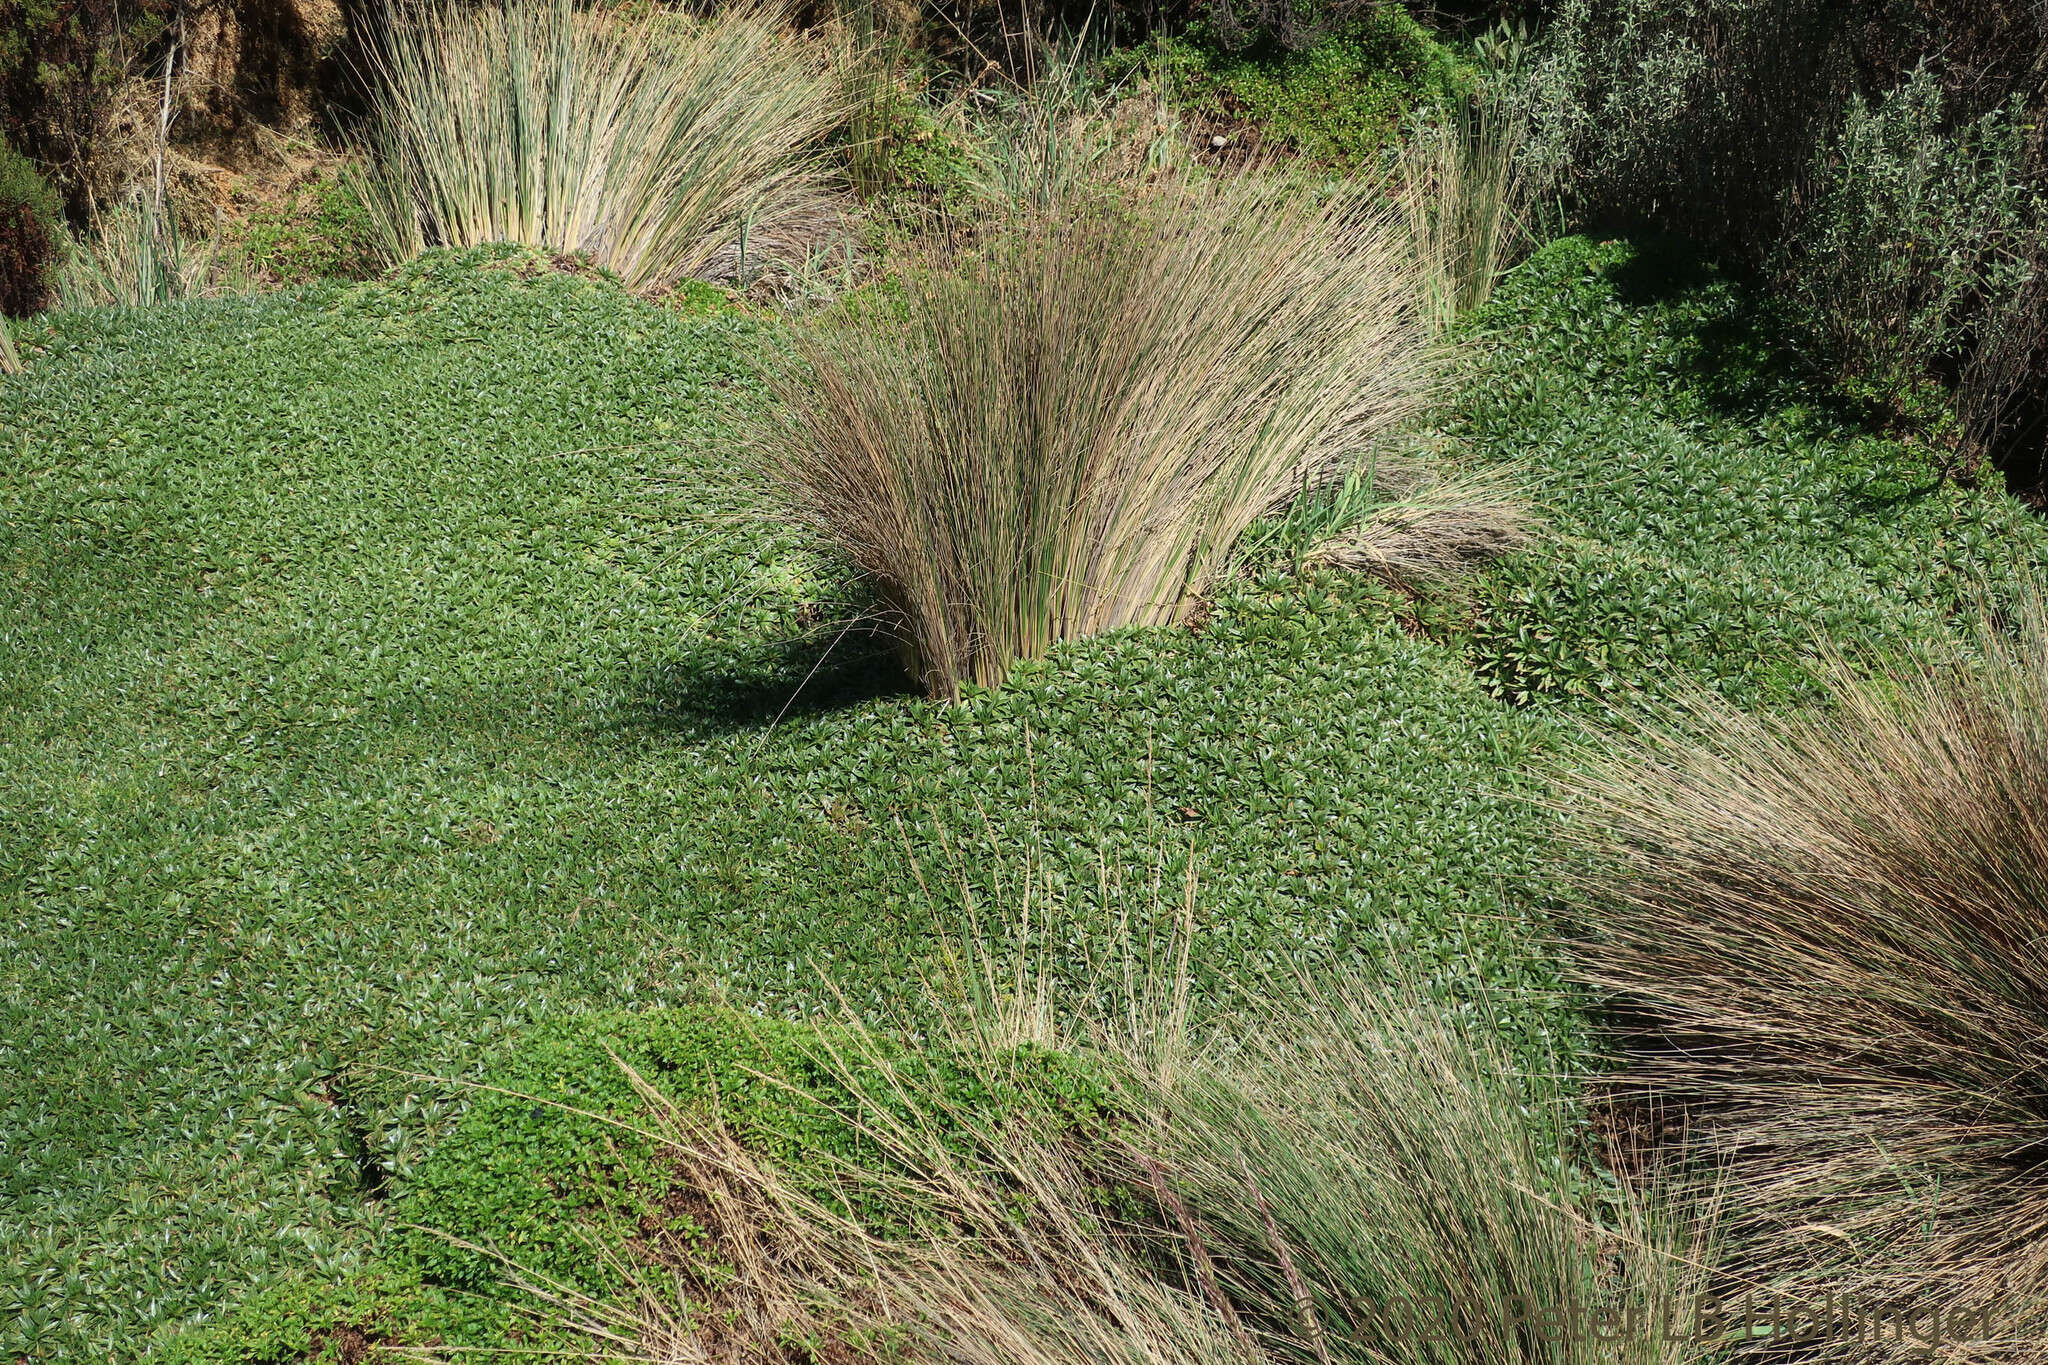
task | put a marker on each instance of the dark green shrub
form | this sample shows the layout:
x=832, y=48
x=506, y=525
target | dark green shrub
x=1914, y=230
x=1703, y=117
x=29, y=226
x=1290, y=25
x=1695, y=117
x=1872, y=154
x=62, y=63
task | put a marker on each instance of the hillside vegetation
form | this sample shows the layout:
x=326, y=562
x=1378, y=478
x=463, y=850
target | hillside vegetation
x=391, y=666
x=1261, y=683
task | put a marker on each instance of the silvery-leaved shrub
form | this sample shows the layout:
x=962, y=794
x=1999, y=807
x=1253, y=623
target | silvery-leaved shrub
x=1916, y=231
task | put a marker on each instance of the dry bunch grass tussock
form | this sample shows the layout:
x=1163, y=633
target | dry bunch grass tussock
x=1013, y=1265
x=659, y=144
x=1368, y=1179
x=1083, y=406
x=1830, y=936
x=1461, y=185
x=134, y=253
x=1379, y=1179
x=1433, y=527
x=1062, y=133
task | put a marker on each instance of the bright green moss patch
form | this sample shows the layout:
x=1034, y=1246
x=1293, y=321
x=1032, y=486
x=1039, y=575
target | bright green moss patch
x=534, y=1160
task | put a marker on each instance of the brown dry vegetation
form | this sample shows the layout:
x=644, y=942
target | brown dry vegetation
x=1827, y=937
x=1085, y=403
x=1361, y=1176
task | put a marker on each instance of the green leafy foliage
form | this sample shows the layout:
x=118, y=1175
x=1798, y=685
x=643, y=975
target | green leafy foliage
x=896, y=147
x=1339, y=100
x=387, y=668
x=1873, y=158
x=297, y=1321
x=321, y=230
x=1716, y=519
x=30, y=221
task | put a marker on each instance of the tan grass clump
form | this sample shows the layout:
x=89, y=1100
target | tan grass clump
x=1377, y=1178
x=1829, y=938
x=1081, y=407
x=653, y=143
x=134, y=253
x=1430, y=528
x=1368, y=1180
x=1464, y=193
